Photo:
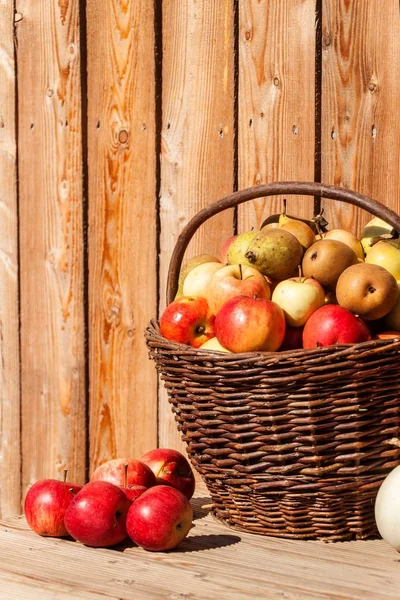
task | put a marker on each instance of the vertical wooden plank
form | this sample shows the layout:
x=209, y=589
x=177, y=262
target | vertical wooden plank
x=197, y=135
x=51, y=248
x=10, y=484
x=276, y=102
x=122, y=222
x=360, y=101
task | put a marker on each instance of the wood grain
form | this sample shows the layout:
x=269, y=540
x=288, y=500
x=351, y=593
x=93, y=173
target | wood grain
x=276, y=102
x=197, y=138
x=360, y=99
x=10, y=461
x=122, y=227
x=212, y=562
x=51, y=241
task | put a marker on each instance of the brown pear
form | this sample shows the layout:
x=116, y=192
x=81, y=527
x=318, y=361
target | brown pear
x=325, y=260
x=301, y=231
x=367, y=290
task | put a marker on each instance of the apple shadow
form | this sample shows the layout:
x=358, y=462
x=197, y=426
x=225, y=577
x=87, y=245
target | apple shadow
x=196, y=543
x=201, y=507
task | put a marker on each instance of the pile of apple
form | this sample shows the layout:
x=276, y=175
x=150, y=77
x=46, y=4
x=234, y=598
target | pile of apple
x=291, y=284
x=146, y=499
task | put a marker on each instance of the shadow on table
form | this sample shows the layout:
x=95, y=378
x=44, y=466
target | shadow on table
x=195, y=543
x=201, y=507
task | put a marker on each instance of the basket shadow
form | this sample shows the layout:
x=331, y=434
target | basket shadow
x=196, y=543
x=201, y=507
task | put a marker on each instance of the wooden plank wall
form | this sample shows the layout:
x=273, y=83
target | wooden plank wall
x=10, y=460
x=122, y=120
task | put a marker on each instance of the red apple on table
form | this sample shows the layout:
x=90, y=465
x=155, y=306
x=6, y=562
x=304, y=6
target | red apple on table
x=333, y=324
x=188, y=320
x=113, y=471
x=235, y=280
x=299, y=297
x=170, y=467
x=246, y=324
x=45, y=505
x=160, y=519
x=97, y=515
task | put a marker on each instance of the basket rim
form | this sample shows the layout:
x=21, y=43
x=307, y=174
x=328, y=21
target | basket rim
x=376, y=345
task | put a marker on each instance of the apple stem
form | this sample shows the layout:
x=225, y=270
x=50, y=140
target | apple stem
x=125, y=475
x=65, y=475
x=241, y=272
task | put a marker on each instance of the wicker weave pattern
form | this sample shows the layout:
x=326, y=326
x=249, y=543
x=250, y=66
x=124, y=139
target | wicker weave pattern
x=287, y=431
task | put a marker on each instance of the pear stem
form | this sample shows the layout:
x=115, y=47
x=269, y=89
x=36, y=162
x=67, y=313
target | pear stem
x=284, y=206
x=125, y=475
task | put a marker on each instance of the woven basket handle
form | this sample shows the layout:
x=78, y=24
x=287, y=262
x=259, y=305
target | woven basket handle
x=270, y=189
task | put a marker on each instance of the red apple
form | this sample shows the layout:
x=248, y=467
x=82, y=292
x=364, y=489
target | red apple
x=45, y=505
x=235, y=280
x=225, y=248
x=293, y=339
x=171, y=468
x=333, y=324
x=133, y=492
x=299, y=297
x=113, y=471
x=250, y=324
x=188, y=320
x=97, y=515
x=160, y=519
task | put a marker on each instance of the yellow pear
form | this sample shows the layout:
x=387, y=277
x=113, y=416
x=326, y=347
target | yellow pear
x=213, y=344
x=386, y=255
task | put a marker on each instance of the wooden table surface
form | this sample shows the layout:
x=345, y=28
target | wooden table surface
x=214, y=562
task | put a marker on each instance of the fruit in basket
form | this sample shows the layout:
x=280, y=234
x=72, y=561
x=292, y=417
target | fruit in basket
x=160, y=519
x=332, y=324
x=238, y=248
x=188, y=320
x=189, y=265
x=196, y=282
x=235, y=280
x=213, y=344
x=348, y=238
x=113, y=471
x=246, y=324
x=368, y=290
x=372, y=231
x=325, y=260
x=300, y=230
x=387, y=508
x=171, y=467
x=298, y=297
x=293, y=339
x=97, y=515
x=225, y=248
x=45, y=505
x=386, y=255
x=392, y=319
x=275, y=252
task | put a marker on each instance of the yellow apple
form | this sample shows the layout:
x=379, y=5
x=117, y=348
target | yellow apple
x=348, y=238
x=386, y=255
x=196, y=282
x=213, y=344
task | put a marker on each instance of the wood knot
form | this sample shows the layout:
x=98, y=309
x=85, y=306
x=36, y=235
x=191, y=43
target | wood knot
x=123, y=136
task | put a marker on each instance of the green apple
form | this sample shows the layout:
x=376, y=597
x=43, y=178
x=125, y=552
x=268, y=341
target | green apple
x=392, y=319
x=386, y=255
x=196, y=282
x=189, y=265
x=375, y=228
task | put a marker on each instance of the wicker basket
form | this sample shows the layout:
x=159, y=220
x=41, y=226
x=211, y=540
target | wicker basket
x=292, y=444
